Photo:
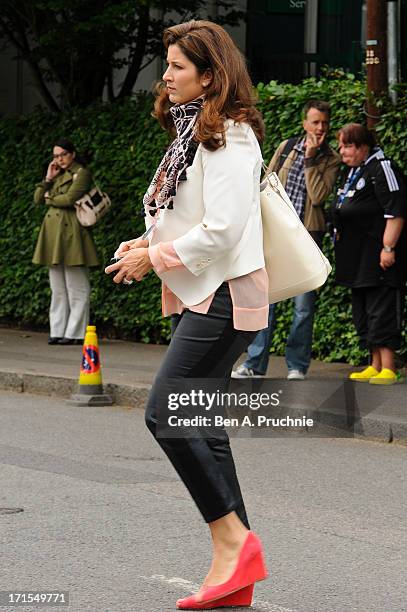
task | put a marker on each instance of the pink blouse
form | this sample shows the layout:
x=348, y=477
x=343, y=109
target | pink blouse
x=249, y=293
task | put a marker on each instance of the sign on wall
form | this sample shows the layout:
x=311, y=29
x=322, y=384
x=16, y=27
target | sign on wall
x=285, y=6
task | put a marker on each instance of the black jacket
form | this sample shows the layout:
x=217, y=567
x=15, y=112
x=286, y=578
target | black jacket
x=376, y=192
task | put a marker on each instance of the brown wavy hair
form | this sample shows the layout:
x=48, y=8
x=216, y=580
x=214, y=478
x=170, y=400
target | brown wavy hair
x=230, y=94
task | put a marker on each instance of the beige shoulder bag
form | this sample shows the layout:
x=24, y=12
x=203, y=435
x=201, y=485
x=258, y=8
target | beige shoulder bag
x=294, y=262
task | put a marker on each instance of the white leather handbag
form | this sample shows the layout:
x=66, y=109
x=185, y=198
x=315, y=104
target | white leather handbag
x=294, y=262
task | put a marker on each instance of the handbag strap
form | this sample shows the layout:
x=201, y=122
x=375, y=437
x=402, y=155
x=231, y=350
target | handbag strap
x=289, y=146
x=271, y=179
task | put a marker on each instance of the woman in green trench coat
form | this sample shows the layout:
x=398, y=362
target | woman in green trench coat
x=64, y=245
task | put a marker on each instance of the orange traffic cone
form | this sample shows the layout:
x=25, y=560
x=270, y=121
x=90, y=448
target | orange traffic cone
x=90, y=387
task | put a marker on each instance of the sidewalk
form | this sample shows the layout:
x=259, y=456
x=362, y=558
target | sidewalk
x=28, y=363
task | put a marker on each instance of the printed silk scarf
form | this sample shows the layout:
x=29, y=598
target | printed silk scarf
x=178, y=158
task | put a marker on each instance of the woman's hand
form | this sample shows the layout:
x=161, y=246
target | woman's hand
x=387, y=260
x=126, y=246
x=392, y=231
x=134, y=265
x=53, y=171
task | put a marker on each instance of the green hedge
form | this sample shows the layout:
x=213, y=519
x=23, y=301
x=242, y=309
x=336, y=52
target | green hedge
x=334, y=334
x=127, y=143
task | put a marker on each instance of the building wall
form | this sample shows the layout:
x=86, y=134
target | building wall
x=17, y=91
x=276, y=37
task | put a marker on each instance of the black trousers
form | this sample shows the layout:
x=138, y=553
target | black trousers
x=203, y=346
x=377, y=314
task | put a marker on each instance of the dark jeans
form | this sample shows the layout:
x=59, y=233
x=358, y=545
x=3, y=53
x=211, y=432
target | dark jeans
x=203, y=346
x=298, y=348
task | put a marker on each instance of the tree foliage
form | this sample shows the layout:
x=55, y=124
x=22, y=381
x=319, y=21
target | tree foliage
x=81, y=45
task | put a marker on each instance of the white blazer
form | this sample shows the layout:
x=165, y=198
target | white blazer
x=216, y=221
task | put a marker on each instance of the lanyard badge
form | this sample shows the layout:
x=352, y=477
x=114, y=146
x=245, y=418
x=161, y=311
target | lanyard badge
x=350, y=181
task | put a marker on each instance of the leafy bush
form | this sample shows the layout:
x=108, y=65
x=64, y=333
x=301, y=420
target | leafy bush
x=335, y=337
x=127, y=144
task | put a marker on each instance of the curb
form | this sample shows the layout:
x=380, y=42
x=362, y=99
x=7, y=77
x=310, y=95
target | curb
x=331, y=422
x=57, y=386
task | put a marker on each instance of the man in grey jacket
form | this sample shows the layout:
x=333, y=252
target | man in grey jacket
x=307, y=167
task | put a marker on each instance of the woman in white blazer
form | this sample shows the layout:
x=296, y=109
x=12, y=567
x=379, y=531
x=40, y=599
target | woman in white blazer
x=205, y=243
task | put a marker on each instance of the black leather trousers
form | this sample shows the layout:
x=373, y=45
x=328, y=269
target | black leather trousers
x=203, y=346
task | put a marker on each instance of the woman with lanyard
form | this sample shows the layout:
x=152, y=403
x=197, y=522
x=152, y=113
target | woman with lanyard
x=370, y=249
x=206, y=246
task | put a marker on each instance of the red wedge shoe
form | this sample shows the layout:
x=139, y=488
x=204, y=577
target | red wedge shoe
x=242, y=598
x=250, y=568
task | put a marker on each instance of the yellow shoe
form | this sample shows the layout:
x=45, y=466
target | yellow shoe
x=365, y=375
x=386, y=377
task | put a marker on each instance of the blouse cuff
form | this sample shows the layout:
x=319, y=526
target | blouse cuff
x=164, y=257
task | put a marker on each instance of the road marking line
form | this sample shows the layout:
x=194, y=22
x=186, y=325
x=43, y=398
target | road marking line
x=260, y=604
x=265, y=606
x=174, y=580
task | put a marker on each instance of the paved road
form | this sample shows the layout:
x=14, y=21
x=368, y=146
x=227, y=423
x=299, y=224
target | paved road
x=106, y=518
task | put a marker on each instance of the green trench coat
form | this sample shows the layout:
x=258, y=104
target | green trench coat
x=62, y=240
